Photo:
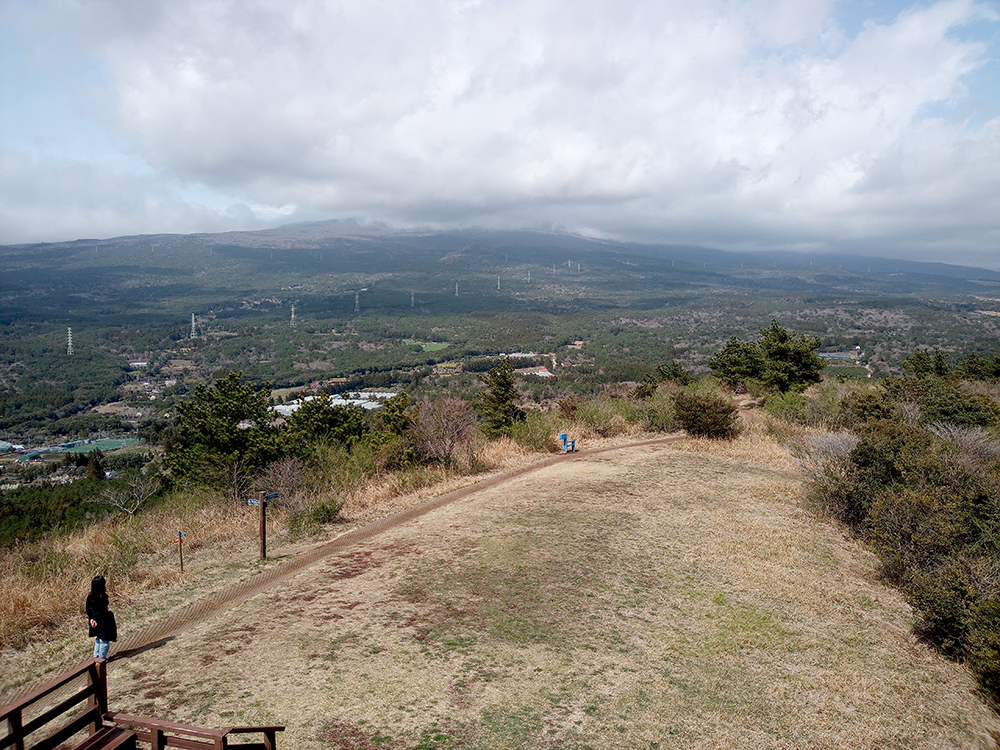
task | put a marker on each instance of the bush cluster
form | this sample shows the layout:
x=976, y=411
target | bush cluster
x=706, y=415
x=919, y=481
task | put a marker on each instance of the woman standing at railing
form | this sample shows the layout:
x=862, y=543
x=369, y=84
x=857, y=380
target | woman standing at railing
x=102, y=624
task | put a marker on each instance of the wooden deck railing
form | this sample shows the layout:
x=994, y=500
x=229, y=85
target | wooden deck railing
x=163, y=734
x=62, y=708
x=77, y=701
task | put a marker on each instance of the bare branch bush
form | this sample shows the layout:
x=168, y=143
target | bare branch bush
x=128, y=495
x=973, y=441
x=442, y=428
x=815, y=452
x=911, y=413
x=288, y=478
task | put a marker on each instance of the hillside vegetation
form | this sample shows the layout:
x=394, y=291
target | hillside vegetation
x=419, y=311
x=907, y=465
x=650, y=597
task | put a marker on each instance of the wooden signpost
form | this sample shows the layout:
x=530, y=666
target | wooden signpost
x=179, y=541
x=261, y=502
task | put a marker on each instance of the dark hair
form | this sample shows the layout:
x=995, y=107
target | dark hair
x=98, y=586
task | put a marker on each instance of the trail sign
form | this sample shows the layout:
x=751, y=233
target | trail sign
x=255, y=501
x=179, y=541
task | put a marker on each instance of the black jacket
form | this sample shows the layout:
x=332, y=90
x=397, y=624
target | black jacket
x=97, y=610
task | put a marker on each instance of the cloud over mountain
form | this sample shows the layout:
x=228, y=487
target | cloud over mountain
x=791, y=123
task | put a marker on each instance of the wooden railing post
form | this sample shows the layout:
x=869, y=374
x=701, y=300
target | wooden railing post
x=98, y=677
x=15, y=727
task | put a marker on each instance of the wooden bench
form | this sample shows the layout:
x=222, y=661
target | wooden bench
x=163, y=734
x=56, y=712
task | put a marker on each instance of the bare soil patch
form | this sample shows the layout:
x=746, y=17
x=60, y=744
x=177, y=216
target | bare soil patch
x=654, y=597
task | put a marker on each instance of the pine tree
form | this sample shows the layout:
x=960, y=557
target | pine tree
x=95, y=464
x=224, y=435
x=498, y=405
x=778, y=360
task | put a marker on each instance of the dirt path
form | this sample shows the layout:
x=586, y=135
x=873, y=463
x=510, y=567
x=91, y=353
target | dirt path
x=166, y=630
x=612, y=600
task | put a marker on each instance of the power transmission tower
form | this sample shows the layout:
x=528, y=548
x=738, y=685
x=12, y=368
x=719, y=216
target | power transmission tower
x=69, y=342
x=194, y=331
x=292, y=323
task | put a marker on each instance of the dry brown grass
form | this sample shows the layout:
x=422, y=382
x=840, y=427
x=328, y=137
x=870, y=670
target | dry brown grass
x=754, y=445
x=655, y=597
x=644, y=598
x=43, y=584
x=386, y=493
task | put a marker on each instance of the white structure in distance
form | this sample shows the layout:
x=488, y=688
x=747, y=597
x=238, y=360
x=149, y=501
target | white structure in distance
x=365, y=400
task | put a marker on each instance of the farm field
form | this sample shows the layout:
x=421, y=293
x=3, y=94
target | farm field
x=665, y=596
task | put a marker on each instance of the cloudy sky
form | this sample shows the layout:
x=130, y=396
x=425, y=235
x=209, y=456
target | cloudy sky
x=870, y=126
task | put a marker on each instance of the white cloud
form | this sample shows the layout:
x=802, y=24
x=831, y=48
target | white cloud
x=58, y=200
x=738, y=123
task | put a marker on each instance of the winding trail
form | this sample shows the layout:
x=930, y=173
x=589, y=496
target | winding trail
x=166, y=630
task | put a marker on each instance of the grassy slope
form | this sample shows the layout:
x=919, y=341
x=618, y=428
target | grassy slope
x=654, y=598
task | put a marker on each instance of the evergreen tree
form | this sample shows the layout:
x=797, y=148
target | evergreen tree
x=498, y=405
x=738, y=363
x=778, y=360
x=224, y=435
x=95, y=464
x=790, y=362
x=323, y=419
x=922, y=363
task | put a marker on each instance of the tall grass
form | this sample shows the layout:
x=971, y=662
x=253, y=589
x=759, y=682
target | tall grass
x=43, y=584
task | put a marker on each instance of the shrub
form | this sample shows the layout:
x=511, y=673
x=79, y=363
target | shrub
x=982, y=650
x=861, y=407
x=392, y=452
x=537, y=432
x=706, y=416
x=609, y=417
x=905, y=389
x=889, y=452
x=916, y=527
x=940, y=597
x=946, y=403
x=659, y=411
x=314, y=515
x=325, y=511
x=925, y=499
x=569, y=405
x=789, y=407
